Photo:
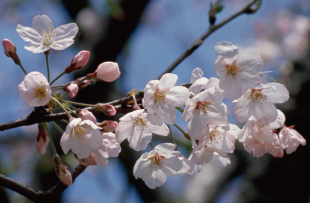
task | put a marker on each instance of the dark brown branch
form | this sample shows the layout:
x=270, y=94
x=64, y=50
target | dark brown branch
x=211, y=29
x=39, y=196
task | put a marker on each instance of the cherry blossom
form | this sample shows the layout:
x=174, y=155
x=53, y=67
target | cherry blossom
x=259, y=102
x=236, y=71
x=154, y=166
x=198, y=82
x=290, y=139
x=138, y=129
x=42, y=35
x=161, y=97
x=108, y=148
x=205, y=107
x=35, y=90
x=81, y=137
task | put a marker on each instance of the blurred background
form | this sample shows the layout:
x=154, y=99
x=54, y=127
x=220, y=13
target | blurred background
x=145, y=37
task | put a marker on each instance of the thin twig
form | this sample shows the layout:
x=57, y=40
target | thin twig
x=246, y=9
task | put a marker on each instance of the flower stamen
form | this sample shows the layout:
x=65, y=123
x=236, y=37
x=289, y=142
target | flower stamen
x=205, y=106
x=140, y=123
x=156, y=159
x=216, y=136
x=40, y=91
x=48, y=37
x=258, y=96
x=233, y=68
x=78, y=132
x=160, y=95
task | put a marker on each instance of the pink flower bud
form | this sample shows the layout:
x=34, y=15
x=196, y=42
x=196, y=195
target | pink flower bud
x=108, y=126
x=10, y=50
x=87, y=161
x=42, y=139
x=107, y=109
x=83, y=84
x=86, y=115
x=63, y=172
x=78, y=62
x=107, y=71
x=72, y=89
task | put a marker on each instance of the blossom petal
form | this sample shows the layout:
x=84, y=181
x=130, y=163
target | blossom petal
x=226, y=49
x=196, y=74
x=157, y=179
x=167, y=81
x=42, y=22
x=244, y=107
x=171, y=165
x=64, y=36
x=29, y=34
x=177, y=96
x=123, y=130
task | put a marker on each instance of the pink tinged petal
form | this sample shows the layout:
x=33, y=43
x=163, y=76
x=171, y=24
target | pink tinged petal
x=197, y=73
x=167, y=148
x=86, y=115
x=197, y=125
x=205, y=155
x=265, y=112
x=95, y=138
x=226, y=49
x=36, y=48
x=219, y=160
x=42, y=140
x=64, y=175
x=188, y=110
x=228, y=143
x=263, y=134
x=244, y=107
x=275, y=92
x=154, y=119
x=177, y=96
x=124, y=130
x=101, y=157
x=218, y=115
x=171, y=166
x=140, y=138
x=246, y=131
x=81, y=147
x=29, y=34
x=167, y=113
x=279, y=122
x=198, y=85
x=231, y=86
x=158, y=178
x=167, y=81
x=158, y=130
x=234, y=130
x=66, y=31
x=42, y=22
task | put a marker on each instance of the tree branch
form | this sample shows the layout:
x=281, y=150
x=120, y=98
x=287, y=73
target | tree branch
x=39, y=196
x=246, y=9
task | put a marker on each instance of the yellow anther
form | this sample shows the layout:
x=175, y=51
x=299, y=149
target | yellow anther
x=233, y=68
x=156, y=159
x=205, y=106
x=39, y=91
x=258, y=96
x=160, y=95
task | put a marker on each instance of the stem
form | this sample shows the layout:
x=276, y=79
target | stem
x=51, y=141
x=171, y=136
x=47, y=65
x=61, y=74
x=62, y=96
x=21, y=66
x=184, y=133
x=58, y=128
x=81, y=104
x=82, y=80
x=68, y=114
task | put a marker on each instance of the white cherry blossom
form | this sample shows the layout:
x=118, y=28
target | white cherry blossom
x=154, y=166
x=236, y=71
x=198, y=82
x=161, y=97
x=290, y=139
x=206, y=107
x=137, y=127
x=35, y=89
x=42, y=35
x=81, y=137
x=259, y=102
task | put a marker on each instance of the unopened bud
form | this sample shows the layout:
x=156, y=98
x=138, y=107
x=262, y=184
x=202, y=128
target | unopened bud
x=86, y=161
x=10, y=50
x=107, y=109
x=107, y=71
x=63, y=172
x=78, y=62
x=86, y=115
x=82, y=84
x=71, y=88
x=108, y=126
x=42, y=139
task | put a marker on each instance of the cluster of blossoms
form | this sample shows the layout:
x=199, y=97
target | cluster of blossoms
x=211, y=135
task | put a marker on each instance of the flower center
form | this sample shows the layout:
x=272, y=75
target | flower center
x=160, y=95
x=233, y=68
x=258, y=96
x=156, y=159
x=216, y=136
x=48, y=36
x=140, y=123
x=78, y=132
x=39, y=91
x=204, y=106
